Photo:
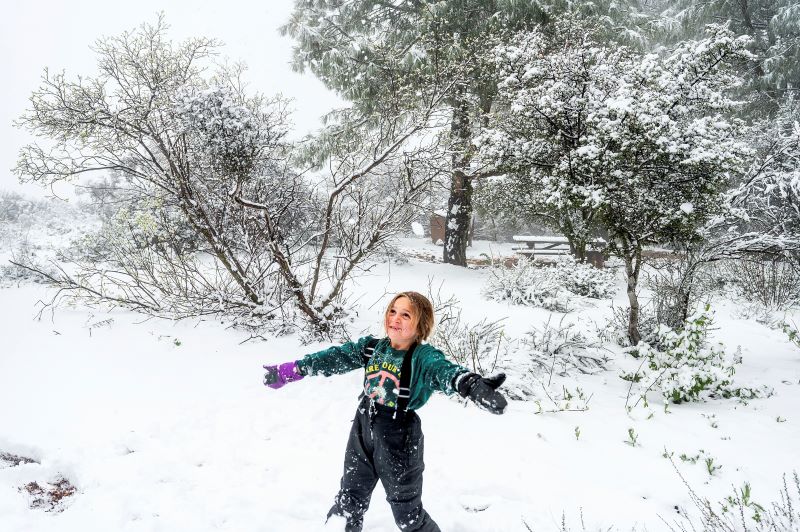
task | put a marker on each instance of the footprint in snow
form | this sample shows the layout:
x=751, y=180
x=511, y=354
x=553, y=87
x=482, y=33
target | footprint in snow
x=474, y=503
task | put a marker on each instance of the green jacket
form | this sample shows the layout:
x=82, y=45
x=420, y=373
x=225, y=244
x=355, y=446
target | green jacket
x=430, y=370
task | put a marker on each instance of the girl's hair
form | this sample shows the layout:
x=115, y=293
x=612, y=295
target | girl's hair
x=423, y=313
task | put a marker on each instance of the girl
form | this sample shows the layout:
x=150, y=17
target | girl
x=386, y=440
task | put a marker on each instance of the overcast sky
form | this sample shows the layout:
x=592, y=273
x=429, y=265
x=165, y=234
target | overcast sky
x=52, y=33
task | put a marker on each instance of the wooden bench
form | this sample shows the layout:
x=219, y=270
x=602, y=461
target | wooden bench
x=536, y=246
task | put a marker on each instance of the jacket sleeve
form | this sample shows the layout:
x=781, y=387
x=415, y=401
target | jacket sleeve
x=436, y=372
x=334, y=360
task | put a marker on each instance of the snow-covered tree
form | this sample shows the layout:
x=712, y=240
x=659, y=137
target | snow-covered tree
x=779, y=208
x=538, y=134
x=201, y=170
x=772, y=25
x=136, y=117
x=640, y=144
x=383, y=56
x=768, y=200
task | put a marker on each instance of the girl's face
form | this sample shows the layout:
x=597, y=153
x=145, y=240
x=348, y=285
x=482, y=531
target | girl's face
x=401, y=324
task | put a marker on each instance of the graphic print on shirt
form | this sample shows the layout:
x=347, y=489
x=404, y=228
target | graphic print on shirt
x=382, y=381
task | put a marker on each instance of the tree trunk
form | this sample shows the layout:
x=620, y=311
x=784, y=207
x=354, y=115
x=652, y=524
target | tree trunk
x=686, y=287
x=201, y=223
x=633, y=262
x=459, y=205
x=686, y=297
x=577, y=246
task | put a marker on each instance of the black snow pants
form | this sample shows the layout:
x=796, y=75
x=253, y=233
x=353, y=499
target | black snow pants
x=386, y=445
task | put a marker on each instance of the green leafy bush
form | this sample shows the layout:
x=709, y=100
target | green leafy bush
x=686, y=366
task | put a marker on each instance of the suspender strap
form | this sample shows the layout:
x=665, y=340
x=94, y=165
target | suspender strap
x=369, y=349
x=404, y=393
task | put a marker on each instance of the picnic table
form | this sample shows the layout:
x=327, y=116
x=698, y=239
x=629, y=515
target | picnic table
x=557, y=245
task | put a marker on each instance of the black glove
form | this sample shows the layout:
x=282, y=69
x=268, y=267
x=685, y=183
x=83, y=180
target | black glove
x=483, y=391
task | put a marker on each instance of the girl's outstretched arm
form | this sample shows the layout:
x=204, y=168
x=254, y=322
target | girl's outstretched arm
x=335, y=359
x=436, y=372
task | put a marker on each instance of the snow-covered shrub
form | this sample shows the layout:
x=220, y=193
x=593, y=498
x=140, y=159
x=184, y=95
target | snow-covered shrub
x=476, y=346
x=26, y=252
x=548, y=351
x=563, y=348
x=36, y=219
x=550, y=287
x=527, y=283
x=772, y=285
x=584, y=279
x=678, y=285
x=685, y=366
x=13, y=206
x=791, y=331
x=34, y=231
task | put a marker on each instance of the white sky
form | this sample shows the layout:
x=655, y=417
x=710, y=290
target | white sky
x=35, y=34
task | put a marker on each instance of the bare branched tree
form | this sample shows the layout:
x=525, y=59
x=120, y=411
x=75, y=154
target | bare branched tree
x=363, y=198
x=173, y=135
x=212, y=213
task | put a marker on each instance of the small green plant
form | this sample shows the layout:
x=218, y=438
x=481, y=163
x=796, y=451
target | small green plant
x=711, y=467
x=692, y=459
x=740, y=500
x=567, y=395
x=176, y=342
x=708, y=460
x=635, y=376
x=577, y=433
x=791, y=332
x=633, y=438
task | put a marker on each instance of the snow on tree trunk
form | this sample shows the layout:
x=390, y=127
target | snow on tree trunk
x=459, y=205
x=632, y=264
x=459, y=214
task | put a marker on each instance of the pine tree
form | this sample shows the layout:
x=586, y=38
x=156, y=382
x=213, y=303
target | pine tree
x=384, y=57
x=773, y=26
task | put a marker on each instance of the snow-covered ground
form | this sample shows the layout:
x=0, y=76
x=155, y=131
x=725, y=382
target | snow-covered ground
x=166, y=426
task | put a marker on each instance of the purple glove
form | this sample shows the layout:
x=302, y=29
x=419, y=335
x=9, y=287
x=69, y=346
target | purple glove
x=277, y=376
